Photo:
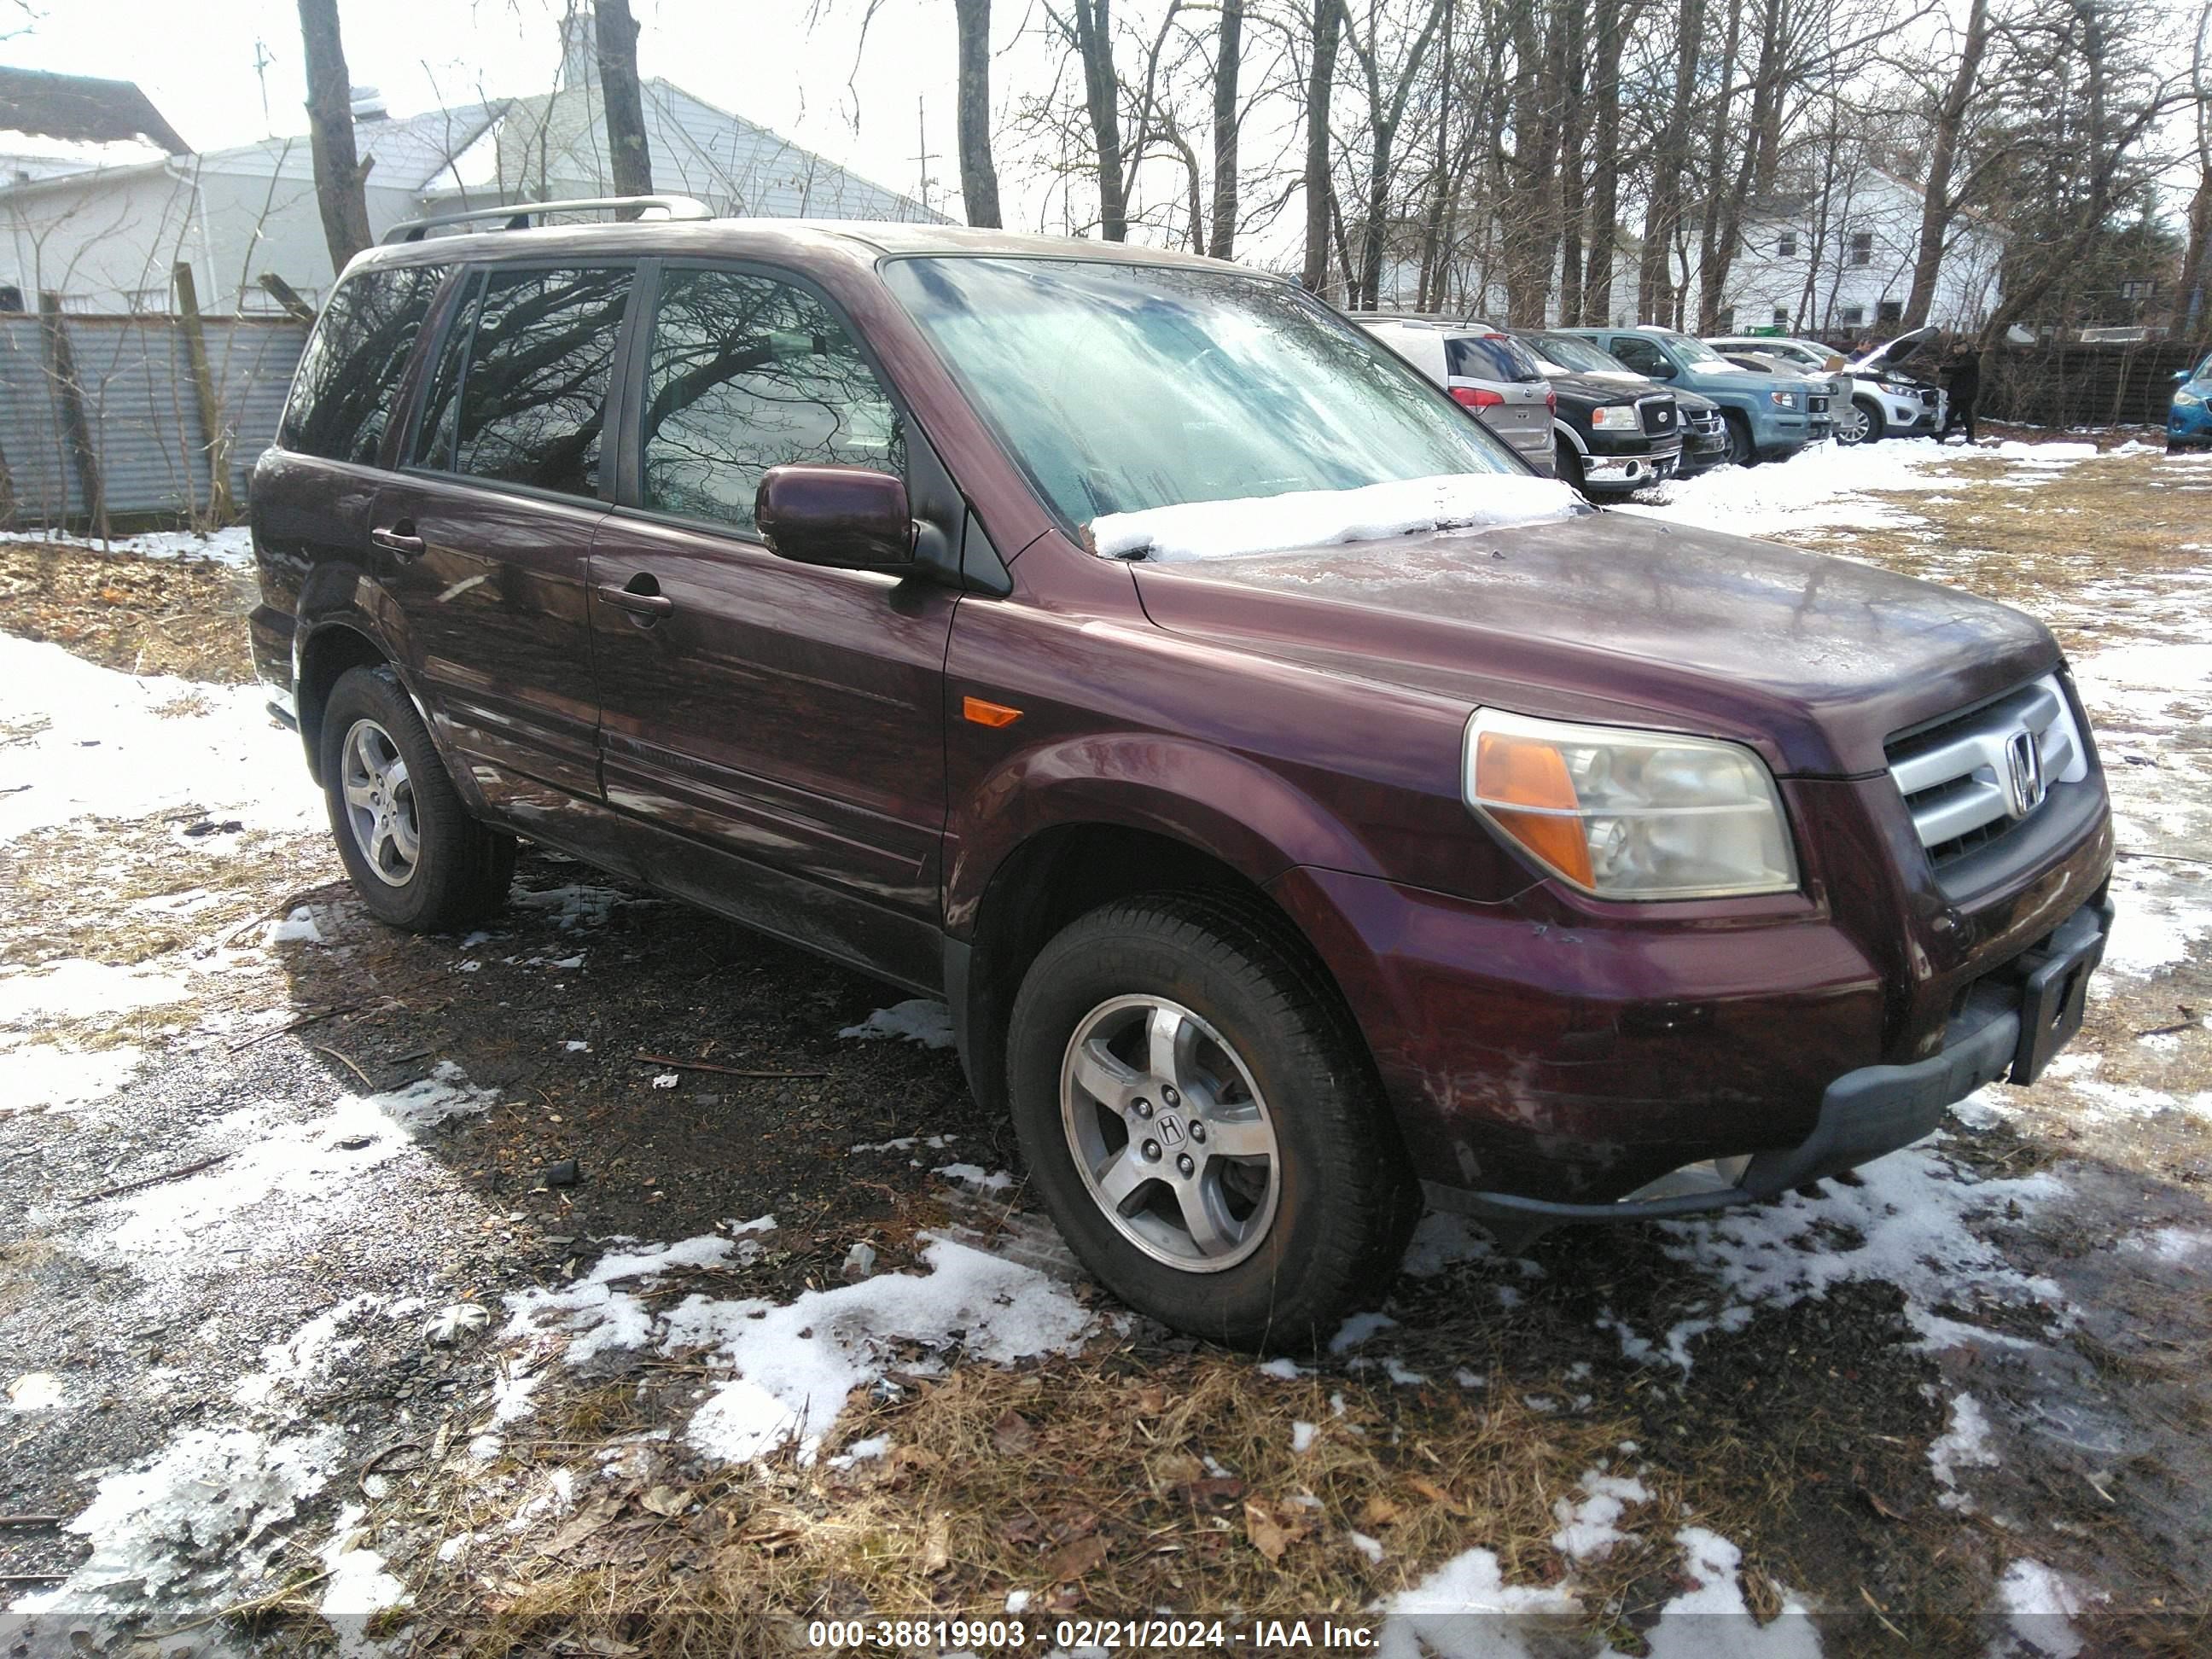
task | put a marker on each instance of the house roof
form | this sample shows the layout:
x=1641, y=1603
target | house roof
x=80, y=109
x=554, y=145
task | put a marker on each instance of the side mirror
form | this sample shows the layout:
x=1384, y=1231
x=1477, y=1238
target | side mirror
x=1663, y=370
x=845, y=517
x=2181, y=376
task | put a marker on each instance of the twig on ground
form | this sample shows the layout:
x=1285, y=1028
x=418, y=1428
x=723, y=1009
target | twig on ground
x=367, y=1082
x=32, y=1578
x=30, y=1520
x=304, y=1019
x=2161, y=858
x=361, y=1479
x=723, y=1070
x=151, y=1181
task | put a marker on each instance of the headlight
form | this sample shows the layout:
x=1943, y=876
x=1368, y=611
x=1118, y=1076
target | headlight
x=1630, y=815
x=1783, y=400
x=1615, y=417
x=2181, y=400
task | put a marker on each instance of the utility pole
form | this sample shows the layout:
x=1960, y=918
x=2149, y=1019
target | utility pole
x=923, y=155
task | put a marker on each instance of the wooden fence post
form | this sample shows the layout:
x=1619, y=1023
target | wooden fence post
x=212, y=427
x=61, y=370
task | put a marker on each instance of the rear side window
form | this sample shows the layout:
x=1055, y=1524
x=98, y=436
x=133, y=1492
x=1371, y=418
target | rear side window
x=348, y=382
x=520, y=390
x=746, y=373
x=1491, y=358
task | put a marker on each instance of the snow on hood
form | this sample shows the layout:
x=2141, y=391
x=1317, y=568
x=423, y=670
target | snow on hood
x=1327, y=517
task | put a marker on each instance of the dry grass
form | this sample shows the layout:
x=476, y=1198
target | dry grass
x=143, y=616
x=1088, y=1484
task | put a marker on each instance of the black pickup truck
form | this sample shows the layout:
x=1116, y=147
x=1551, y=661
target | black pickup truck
x=1615, y=431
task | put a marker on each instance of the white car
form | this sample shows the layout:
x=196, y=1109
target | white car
x=1883, y=403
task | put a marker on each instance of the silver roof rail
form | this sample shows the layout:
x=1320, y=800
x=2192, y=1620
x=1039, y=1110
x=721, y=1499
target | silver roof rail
x=517, y=214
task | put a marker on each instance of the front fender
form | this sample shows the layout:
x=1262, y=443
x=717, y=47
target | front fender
x=1232, y=809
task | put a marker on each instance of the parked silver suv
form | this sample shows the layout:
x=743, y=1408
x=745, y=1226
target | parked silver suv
x=1484, y=368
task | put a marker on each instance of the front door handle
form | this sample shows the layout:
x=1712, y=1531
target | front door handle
x=642, y=598
x=398, y=539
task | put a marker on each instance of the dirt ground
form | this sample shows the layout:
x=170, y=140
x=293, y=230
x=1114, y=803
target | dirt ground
x=307, y=1266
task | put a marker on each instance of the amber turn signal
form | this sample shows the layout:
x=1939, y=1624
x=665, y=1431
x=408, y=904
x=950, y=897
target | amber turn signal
x=1529, y=773
x=988, y=714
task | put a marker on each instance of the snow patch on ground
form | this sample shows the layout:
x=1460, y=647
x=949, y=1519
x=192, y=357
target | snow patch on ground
x=1964, y=1444
x=197, y=1518
x=1909, y=1224
x=39, y=1077
x=1432, y=1617
x=920, y=1019
x=101, y=743
x=1825, y=485
x=232, y=546
x=2039, y=1606
x=791, y=1366
x=1589, y=1528
x=1687, y=1630
x=1329, y=518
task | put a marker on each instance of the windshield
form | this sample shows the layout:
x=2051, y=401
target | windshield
x=1698, y=351
x=1121, y=388
x=1579, y=354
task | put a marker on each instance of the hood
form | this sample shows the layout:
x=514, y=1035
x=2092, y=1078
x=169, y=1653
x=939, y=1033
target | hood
x=1618, y=617
x=1892, y=354
x=1589, y=391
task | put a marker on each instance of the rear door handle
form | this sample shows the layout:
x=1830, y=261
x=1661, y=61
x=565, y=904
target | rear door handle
x=650, y=604
x=398, y=541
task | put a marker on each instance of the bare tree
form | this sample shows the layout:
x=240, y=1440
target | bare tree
x=1320, y=82
x=2189, y=296
x=339, y=174
x=1938, y=205
x=627, y=146
x=1229, y=49
x=979, y=175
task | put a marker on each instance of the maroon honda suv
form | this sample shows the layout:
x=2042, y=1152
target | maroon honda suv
x=1306, y=810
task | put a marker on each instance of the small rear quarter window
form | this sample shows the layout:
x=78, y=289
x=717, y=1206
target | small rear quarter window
x=1491, y=358
x=348, y=384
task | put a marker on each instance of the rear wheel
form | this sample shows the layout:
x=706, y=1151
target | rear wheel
x=416, y=858
x=1742, y=451
x=1200, y=1120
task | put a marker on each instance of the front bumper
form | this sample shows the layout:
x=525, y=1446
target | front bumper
x=2189, y=424
x=1549, y=1056
x=1633, y=471
x=2012, y=1024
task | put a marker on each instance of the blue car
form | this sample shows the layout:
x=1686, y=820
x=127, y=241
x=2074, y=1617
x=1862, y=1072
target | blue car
x=2189, y=422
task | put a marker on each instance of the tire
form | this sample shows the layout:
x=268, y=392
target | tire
x=1307, y=1221
x=415, y=858
x=1567, y=466
x=1742, y=451
x=1877, y=423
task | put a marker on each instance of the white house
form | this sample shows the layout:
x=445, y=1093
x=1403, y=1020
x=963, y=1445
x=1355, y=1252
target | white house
x=103, y=228
x=1840, y=262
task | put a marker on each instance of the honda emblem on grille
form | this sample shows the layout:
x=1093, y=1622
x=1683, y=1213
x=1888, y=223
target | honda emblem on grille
x=2023, y=775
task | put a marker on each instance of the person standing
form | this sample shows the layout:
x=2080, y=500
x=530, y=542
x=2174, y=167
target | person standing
x=1962, y=385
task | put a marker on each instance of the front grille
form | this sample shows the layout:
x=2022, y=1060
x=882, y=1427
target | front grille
x=1706, y=421
x=1928, y=395
x=1657, y=414
x=1966, y=779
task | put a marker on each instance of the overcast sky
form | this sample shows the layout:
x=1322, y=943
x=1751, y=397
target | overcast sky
x=759, y=57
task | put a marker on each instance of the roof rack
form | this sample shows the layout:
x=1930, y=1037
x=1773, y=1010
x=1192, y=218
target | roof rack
x=517, y=214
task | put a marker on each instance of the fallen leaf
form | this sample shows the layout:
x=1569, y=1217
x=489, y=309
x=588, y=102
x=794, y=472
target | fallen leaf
x=937, y=1544
x=580, y=1526
x=1024, y=1528
x=1152, y=1399
x=1073, y=1561
x=665, y=1500
x=1176, y=1468
x=1436, y=1494
x=1380, y=1511
x=1012, y=1434
x=1216, y=1492
x=1269, y=1534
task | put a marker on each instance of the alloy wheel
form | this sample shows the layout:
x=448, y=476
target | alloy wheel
x=1169, y=1133
x=1851, y=424
x=380, y=803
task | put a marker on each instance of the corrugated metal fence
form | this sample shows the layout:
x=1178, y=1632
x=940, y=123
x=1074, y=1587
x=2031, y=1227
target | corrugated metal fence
x=142, y=413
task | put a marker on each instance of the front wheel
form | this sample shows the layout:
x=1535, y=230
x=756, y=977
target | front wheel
x=1866, y=419
x=416, y=858
x=1742, y=451
x=1201, y=1120
x=1567, y=466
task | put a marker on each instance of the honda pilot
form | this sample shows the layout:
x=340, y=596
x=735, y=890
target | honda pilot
x=1306, y=811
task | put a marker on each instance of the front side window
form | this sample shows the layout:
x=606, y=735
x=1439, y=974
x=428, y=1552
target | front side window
x=1572, y=351
x=1641, y=356
x=746, y=373
x=520, y=390
x=1120, y=388
x=349, y=376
